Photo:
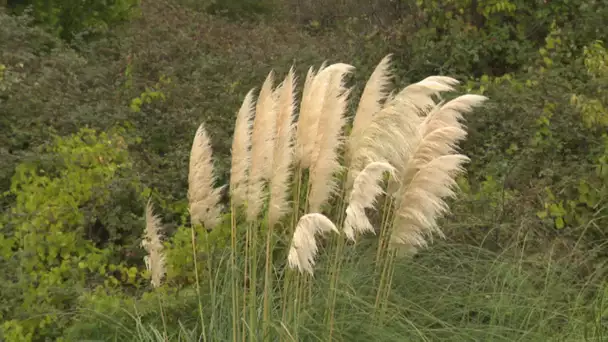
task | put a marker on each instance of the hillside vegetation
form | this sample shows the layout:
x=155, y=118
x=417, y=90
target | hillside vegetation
x=286, y=170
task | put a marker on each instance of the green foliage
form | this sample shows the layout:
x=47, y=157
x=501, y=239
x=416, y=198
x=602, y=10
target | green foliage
x=180, y=271
x=448, y=293
x=69, y=19
x=51, y=240
x=149, y=95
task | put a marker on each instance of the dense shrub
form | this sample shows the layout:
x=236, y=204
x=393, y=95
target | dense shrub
x=71, y=19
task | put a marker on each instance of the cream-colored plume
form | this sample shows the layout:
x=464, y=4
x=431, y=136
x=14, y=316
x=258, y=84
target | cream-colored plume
x=283, y=151
x=450, y=114
x=304, y=244
x=203, y=198
x=329, y=137
x=393, y=133
x=307, y=122
x=262, y=146
x=311, y=109
x=440, y=132
x=419, y=96
x=151, y=242
x=371, y=102
x=422, y=200
x=241, y=143
x=363, y=195
x=392, y=136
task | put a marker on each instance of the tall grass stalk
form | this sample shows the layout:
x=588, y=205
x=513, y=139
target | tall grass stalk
x=246, y=282
x=335, y=267
x=233, y=273
x=162, y=316
x=253, y=281
x=385, y=233
x=198, y=287
x=268, y=265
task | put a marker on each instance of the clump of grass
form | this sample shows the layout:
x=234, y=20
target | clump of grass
x=407, y=135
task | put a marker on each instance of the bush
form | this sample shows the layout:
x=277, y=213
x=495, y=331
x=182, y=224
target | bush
x=71, y=19
x=67, y=230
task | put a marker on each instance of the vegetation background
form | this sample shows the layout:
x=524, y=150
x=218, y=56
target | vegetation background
x=99, y=101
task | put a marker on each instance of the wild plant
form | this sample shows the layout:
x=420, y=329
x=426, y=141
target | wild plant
x=300, y=187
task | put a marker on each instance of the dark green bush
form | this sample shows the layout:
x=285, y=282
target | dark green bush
x=71, y=18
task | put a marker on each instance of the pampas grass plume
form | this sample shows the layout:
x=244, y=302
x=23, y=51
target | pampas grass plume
x=203, y=198
x=241, y=143
x=283, y=151
x=422, y=200
x=314, y=95
x=329, y=138
x=262, y=144
x=304, y=245
x=363, y=195
x=155, y=260
x=371, y=102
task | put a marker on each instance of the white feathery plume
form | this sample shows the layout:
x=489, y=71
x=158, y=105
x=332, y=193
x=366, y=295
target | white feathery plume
x=304, y=245
x=450, y=114
x=151, y=242
x=311, y=108
x=329, y=138
x=371, y=102
x=363, y=195
x=393, y=133
x=283, y=151
x=422, y=200
x=440, y=132
x=262, y=144
x=241, y=143
x=307, y=122
x=203, y=198
x=419, y=96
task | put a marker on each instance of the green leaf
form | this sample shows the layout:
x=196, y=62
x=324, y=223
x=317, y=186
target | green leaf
x=559, y=223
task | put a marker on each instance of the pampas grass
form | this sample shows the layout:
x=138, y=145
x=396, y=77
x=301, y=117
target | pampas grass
x=262, y=143
x=155, y=260
x=241, y=145
x=363, y=196
x=371, y=102
x=283, y=151
x=404, y=134
x=203, y=198
x=329, y=137
x=304, y=246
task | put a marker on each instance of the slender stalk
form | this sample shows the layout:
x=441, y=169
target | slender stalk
x=287, y=297
x=235, y=299
x=198, y=288
x=246, y=281
x=253, y=319
x=300, y=282
x=384, y=227
x=382, y=258
x=212, y=281
x=267, y=281
x=333, y=284
x=384, y=288
x=391, y=271
x=294, y=221
x=386, y=258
